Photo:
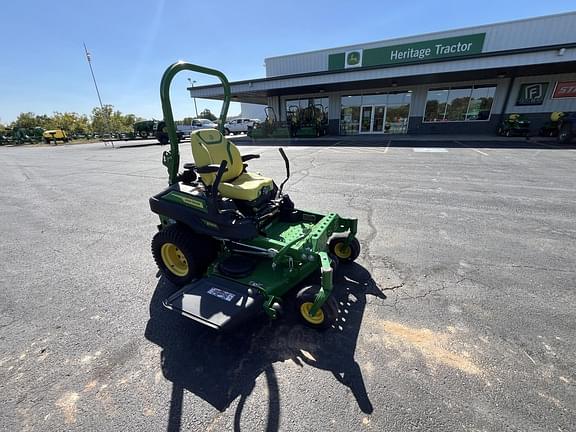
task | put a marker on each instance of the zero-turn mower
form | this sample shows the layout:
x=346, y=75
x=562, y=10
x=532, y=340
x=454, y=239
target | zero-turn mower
x=233, y=241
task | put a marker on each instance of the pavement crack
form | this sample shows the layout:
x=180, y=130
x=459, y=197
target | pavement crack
x=369, y=209
x=424, y=295
x=392, y=288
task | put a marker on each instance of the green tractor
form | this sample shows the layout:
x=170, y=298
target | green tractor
x=309, y=122
x=551, y=127
x=233, y=242
x=154, y=129
x=269, y=128
x=514, y=125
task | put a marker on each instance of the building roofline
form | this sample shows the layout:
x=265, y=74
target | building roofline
x=435, y=33
x=331, y=72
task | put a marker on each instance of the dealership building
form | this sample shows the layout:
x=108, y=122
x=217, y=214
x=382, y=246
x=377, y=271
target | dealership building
x=452, y=82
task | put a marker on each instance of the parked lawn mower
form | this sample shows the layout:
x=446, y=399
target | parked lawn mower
x=567, y=128
x=550, y=128
x=514, y=125
x=233, y=241
x=309, y=122
x=269, y=128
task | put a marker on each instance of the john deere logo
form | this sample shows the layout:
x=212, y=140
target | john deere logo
x=354, y=58
x=532, y=94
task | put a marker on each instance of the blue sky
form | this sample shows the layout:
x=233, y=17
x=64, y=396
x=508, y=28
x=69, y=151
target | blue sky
x=43, y=68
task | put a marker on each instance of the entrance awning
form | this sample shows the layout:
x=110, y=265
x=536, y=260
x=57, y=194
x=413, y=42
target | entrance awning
x=486, y=66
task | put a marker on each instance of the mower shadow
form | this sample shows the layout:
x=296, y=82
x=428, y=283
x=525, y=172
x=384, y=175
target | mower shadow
x=221, y=367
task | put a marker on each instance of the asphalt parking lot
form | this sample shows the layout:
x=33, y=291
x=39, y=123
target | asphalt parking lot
x=460, y=313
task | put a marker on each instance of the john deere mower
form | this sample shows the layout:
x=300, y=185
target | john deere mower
x=514, y=125
x=232, y=241
x=269, y=128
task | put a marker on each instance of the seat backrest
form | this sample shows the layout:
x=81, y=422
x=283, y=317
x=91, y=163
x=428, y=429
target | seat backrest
x=210, y=147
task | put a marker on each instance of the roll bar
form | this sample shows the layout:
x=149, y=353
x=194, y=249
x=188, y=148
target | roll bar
x=171, y=158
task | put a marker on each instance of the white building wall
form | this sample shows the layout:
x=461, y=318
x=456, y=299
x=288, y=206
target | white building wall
x=532, y=32
x=252, y=111
x=549, y=104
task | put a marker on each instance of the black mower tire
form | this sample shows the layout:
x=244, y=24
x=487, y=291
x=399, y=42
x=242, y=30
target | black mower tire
x=326, y=316
x=181, y=255
x=565, y=134
x=337, y=248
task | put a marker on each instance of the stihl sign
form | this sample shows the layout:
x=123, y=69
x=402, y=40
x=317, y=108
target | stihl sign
x=565, y=89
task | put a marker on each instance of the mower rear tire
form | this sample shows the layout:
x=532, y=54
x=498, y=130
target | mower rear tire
x=338, y=248
x=180, y=254
x=565, y=134
x=325, y=317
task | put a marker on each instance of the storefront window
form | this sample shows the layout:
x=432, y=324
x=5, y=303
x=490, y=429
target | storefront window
x=481, y=103
x=376, y=99
x=459, y=104
x=397, y=118
x=375, y=113
x=436, y=105
x=350, y=115
x=294, y=104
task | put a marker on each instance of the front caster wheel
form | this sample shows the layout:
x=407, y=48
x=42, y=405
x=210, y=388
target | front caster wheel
x=325, y=317
x=345, y=253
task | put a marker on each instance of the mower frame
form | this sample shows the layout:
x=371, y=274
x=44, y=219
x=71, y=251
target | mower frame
x=290, y=251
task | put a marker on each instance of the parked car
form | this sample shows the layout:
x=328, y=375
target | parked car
x=241, y=125
x=203, y=124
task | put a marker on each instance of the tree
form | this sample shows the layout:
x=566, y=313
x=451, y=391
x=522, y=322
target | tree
x=206, y=114
x=101, y=119
x=107, y=120
x=25, y=120
x=71, y=122
x=186, y=121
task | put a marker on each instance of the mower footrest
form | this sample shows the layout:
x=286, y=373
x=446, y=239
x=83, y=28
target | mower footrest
x=216, y=302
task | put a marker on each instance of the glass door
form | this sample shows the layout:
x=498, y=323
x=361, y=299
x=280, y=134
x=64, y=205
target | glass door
x=366, y=119
x=379, y=116
x=372, y=118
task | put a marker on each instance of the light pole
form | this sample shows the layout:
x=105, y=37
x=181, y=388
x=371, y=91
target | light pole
x=192, y=85
x=104, y=113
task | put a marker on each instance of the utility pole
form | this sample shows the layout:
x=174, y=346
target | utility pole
x=192, y=85
x=89, y=58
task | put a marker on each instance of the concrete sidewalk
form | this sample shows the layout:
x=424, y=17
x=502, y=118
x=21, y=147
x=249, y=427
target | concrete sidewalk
x=386, y=139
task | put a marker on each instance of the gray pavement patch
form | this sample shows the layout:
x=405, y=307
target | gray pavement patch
x=459, y=314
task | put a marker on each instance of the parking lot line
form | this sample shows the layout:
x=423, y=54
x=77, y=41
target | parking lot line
x=429, y=150
x=472, y=148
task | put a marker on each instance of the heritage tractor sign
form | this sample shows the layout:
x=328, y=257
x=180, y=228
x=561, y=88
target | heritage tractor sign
x=409, y=53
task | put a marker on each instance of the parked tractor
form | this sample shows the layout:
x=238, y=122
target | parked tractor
x=155, y=129
x=550, y=128
x=567, y=128
x=269, y=128
x=309, y=122
x=514, y=125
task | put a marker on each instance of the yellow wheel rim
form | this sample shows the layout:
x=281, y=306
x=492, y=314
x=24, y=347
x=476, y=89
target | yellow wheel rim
x=318, y=318
x=174, y=259
x=342, y=251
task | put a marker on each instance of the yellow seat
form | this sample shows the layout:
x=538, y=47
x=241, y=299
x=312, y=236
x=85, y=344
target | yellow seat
x=210, y=147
